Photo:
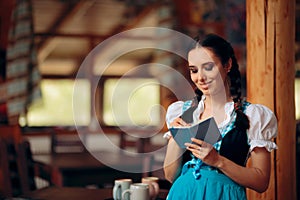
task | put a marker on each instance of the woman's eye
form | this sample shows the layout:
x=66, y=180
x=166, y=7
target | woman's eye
x=193, y=70
x=209, y=66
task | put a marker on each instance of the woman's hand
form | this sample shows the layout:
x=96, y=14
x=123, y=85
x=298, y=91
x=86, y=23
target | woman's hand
x=178, y=122
x=204, y=151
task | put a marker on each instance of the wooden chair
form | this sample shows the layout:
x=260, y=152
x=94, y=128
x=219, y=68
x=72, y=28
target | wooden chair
x=17, y=169
x=27, y=164
x=155, y=164
x=67, y=141
x=10, y=181
x=152, y=165
x=131, y=143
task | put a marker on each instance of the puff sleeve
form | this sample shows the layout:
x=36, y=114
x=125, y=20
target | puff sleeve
x=263, y=127
x=174, y=111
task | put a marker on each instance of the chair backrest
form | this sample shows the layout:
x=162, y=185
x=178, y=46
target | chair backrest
x=129, y=143
x=26, y=164
x=10, y=181
x=17, y=168
x=67, y=141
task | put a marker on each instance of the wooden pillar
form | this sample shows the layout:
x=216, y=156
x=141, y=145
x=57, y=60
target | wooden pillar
x=6, y=7
x=270, y=81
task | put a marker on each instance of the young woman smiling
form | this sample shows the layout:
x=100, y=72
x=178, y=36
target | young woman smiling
x=219, y=171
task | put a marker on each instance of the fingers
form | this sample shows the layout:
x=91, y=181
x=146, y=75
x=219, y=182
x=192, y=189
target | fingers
x=201, y=143
x=196, y=150
x=192, y=146
x=195, y=144
x=196, y=141
x=198, y=147
x=178, y=122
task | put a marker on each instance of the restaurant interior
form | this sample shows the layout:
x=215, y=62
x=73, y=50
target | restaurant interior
x=85, y=85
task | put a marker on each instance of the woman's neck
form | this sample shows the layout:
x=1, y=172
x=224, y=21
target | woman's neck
x=217, y=101
x=214, y=106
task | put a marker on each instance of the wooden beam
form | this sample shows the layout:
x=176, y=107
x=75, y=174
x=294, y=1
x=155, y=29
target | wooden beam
x=95, y=37
x=137, y=19
x=6, y=7
x=260, y=76
x=270, y=63
x=70, y=35
x=50, y=39
x=183, y=12
x=285, y=99
x=46, y=45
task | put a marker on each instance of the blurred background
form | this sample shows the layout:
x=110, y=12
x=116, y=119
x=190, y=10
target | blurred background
x=37, y=78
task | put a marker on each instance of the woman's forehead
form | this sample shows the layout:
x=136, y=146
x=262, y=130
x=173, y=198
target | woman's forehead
x=200, y=55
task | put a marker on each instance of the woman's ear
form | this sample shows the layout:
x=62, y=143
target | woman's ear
x=228, y=65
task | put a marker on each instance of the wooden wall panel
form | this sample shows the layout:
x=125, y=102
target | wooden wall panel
x=270, y=81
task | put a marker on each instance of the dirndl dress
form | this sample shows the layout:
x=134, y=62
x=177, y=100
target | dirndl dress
x=211, y=185
x=199, y=181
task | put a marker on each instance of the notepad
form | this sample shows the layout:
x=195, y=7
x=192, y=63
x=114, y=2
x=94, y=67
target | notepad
x=206, y=130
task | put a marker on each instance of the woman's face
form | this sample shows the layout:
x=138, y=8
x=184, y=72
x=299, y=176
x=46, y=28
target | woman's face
x=206, y=71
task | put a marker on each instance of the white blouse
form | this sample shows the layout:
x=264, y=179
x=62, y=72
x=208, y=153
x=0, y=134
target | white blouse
x=263, y=123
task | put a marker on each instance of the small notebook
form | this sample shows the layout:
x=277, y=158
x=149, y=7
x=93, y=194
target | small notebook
x=206, y=130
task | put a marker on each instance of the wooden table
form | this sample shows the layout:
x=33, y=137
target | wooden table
x=75, y=193
x=81, y=169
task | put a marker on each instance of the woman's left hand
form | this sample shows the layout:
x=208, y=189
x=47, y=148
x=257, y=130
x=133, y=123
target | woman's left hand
x=204, y=151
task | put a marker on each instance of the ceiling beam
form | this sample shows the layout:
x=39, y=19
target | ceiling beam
x=131, y=24
x=136, y=20
x=93, y=36
x=46, y=45
x=43, y=35
x=52, y=35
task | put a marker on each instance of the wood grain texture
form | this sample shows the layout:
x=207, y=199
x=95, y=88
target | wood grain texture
x=285, y=104
x=270, y=81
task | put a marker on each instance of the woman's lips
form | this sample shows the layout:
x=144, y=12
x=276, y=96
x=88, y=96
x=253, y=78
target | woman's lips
x=205, y=85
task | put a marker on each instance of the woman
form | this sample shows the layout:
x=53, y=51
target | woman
x=219, y=171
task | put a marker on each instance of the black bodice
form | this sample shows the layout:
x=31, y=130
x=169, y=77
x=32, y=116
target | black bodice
x=235, y=146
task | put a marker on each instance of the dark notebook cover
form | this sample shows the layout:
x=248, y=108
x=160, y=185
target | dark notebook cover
x=206, y=130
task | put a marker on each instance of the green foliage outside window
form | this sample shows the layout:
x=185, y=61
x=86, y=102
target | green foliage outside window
x=56, y=108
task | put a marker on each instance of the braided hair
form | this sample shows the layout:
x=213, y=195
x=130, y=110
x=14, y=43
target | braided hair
x=224, y=51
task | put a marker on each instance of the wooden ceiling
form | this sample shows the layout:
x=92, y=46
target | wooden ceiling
x=67, y=30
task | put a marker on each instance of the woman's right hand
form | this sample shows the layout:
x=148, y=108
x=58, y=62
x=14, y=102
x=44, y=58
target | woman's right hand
x=178, y=122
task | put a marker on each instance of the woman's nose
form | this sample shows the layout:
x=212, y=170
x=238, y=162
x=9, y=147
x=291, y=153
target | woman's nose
x=201, y=75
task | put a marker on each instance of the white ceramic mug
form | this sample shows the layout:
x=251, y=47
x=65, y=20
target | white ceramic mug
x=120, y=186
x=137, y=191
x=152, y=181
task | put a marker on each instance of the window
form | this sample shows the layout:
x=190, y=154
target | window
x=131, y=102
x=56, y=108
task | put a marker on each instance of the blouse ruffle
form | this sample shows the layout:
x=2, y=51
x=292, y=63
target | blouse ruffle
x=263, y=123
